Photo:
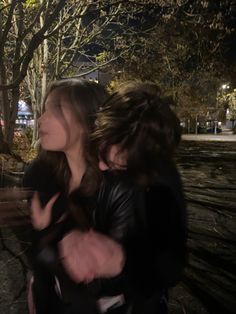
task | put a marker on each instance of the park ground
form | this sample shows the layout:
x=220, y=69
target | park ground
x=207, y=166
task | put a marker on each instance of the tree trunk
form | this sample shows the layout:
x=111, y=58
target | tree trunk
x=4, y=98
x=3, y=148
x=196, y=125
x=189, y=126
x=35, y=127
x=9, y=131
x=44, y=64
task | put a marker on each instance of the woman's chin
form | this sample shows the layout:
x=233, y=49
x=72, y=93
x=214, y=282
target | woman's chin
x=46, y=146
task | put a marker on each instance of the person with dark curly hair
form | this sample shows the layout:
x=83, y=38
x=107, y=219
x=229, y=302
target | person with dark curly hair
x=137, y=134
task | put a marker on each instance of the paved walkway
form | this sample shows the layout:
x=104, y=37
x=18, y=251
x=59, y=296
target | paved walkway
x=222, y=137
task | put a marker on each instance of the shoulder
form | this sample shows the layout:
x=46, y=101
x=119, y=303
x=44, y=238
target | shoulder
x=37, y=175
x=168, y=173
x=169, y=183
x=118, y=186
x=117, y=206
x=31, y=171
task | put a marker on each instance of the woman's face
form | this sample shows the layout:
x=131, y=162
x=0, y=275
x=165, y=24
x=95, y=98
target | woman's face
x=58, y=128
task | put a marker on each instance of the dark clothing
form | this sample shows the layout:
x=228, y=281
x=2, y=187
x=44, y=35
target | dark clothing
x=112, y=211
x=154, y=240
x=167, y=229
x=159, y=256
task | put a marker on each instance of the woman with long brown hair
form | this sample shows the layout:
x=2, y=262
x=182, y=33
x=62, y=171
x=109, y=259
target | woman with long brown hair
x=75, y=197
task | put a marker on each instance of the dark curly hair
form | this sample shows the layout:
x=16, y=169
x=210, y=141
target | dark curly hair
x=139, y=119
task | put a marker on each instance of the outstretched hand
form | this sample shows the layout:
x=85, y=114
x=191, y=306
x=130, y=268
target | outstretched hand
x=89, y=255
x=41, y=216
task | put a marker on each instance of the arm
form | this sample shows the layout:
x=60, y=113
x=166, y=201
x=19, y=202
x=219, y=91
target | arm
x=117, y=217
x=114, y=220
x=85, y=255
x=89, y=255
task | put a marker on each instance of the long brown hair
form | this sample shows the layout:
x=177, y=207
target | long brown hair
x=85, y=97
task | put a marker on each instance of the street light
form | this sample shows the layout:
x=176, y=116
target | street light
x=225, y=86
x=221, y=92
x=215, y=126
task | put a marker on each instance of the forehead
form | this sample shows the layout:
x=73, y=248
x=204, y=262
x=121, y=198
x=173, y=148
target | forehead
x=115, y=153
x=114, y=149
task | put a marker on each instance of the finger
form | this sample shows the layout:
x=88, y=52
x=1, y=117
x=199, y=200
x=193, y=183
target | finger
x=50, y=203
x=35, y=205
x=36, y=211
x=76, y=258
x=101, y=244
x=79, y=270
x=35, y=200
x=41, y=216
x=64, y=246
x=46, y=212
x=70, y=242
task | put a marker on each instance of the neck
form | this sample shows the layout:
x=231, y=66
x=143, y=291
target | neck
x=77, y=167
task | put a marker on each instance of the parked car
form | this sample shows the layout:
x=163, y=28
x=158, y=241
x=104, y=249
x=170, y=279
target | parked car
x=212, y=130
x=202, y=130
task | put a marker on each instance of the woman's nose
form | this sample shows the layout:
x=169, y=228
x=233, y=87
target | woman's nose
x=41, y=118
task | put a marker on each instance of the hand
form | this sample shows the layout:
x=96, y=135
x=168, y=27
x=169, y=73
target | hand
x=41, y=216
x=89, y=255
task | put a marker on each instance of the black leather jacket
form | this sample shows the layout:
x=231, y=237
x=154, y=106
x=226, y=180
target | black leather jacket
x=114, y=211
x=150, y=225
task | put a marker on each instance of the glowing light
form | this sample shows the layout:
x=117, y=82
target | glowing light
x=225, y=86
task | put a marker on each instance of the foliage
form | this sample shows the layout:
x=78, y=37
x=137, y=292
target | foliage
x=42, y=40
x=184, y=47
x=29, y=134
x=21, y=146
x=19, y=38
x=178, y=44
x=228, y=100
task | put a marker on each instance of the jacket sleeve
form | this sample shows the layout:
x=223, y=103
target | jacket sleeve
x=39, y=177
x=117, y=210
x=117, y=216
x=166, y=243
x=34, y=175
x=153, y=232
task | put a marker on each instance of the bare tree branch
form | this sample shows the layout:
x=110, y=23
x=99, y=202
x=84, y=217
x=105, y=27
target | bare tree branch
x=7, y=26
x=34, y=43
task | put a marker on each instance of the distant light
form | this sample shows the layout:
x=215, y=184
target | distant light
x=22, y=104
x=225, y=86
